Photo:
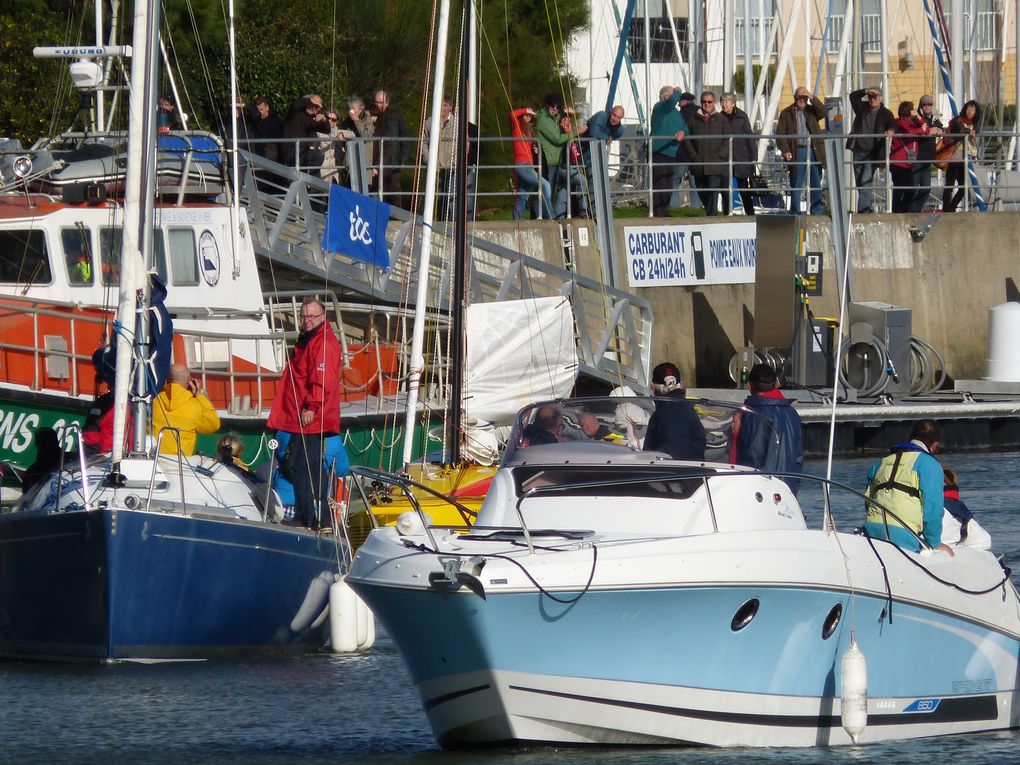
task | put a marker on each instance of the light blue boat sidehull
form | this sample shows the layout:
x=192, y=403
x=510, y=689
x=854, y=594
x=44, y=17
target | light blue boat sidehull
x=454, y=644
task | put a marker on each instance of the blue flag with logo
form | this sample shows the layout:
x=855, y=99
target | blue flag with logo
x=356, y=227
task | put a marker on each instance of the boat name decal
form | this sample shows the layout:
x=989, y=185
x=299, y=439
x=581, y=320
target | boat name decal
x=923, y=705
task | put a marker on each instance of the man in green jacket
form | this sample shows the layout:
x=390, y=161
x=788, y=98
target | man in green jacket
x=668, y=130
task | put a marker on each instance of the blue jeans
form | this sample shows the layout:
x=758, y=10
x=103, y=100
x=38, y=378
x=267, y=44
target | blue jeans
x=864, y=177
x=679, y=173
x=567, y=185
x=528, y=182
x=801, y=163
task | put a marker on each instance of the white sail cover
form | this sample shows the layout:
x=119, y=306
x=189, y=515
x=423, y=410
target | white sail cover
x=518, y=352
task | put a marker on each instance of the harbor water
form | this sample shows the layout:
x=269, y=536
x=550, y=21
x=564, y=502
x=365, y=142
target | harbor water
x=362, y=709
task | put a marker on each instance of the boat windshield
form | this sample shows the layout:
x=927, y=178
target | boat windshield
x=623, y=423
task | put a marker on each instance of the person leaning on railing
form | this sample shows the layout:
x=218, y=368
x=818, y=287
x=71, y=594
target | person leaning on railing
x=903, y=162
x=668, y=129
x=743, y=152
x=926, y=149
x=871, y=120
x=527, y=180
x=962, y=132
x=709, y=152
x=802, y=147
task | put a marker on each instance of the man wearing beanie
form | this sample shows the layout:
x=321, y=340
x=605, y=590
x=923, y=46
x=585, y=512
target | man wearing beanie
x=675, y=427
x=756, y=442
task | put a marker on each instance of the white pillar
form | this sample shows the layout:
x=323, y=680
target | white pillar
x=748, y=62
x=883, y=45
x=729, y=43
x=956, y=41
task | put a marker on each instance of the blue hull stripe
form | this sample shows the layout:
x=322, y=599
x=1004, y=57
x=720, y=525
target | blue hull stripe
x=972, y=709
x=437, y=700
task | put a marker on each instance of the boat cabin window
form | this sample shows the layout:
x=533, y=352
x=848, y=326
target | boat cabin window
x=77, y=246
x=24, y=258
x=183, y=256
x=109, y=255
x=159, y=253
x=593, y=481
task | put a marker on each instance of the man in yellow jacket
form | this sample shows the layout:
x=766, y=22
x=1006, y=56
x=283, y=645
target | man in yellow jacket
x=183, y=407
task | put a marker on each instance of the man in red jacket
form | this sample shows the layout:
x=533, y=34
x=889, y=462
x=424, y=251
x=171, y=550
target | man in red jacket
x=307, y=406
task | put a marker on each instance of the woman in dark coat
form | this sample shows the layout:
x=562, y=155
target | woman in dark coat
x=745, y=153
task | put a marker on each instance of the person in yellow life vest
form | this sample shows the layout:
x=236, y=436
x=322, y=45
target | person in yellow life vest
x=908, y=483
x=183, y=406
x=79, y=268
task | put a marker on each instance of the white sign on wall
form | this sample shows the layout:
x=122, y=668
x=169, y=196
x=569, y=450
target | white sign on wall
x=667, y=256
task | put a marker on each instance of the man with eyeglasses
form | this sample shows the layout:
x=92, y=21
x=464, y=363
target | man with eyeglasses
x=926, y=152
x=798, y=136
x=873, y=124
x=709, y=152
x=307, y=407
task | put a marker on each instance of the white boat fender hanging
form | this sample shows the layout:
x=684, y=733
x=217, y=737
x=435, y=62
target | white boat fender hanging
x=343, y=617
x=314, y=604
x=366, y=625
x=854, y=690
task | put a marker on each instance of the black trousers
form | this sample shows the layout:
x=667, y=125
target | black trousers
x=311, y=484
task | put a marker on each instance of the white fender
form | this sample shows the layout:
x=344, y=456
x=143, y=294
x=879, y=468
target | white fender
x=343, y=617
x=854, y=690
x=366, y=625
x=314, y=604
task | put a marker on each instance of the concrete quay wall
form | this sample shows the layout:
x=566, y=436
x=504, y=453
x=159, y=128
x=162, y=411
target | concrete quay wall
x=966, y=263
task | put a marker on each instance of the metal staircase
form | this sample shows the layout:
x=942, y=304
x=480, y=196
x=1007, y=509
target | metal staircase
x=286, y=215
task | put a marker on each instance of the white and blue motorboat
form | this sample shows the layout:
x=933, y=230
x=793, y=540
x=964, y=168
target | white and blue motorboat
x=608, y=595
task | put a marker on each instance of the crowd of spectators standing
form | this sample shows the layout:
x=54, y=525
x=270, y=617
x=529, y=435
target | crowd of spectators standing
x=705, y=140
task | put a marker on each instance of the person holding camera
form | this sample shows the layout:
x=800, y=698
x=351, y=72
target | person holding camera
x=182, y=406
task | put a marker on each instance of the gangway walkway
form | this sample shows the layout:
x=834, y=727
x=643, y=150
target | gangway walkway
x=286, y=215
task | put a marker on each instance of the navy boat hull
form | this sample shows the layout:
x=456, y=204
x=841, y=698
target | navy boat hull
x=134, y=585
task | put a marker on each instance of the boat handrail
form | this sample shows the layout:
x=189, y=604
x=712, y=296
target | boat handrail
x=176, y=433
x=706, y=473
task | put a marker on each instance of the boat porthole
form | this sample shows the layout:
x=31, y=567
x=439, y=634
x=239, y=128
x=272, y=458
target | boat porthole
x=744, y=615
x=832, y=621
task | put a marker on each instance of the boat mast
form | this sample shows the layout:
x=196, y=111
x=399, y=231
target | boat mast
x=461, y=252
x=417, y=362
x=133, y=332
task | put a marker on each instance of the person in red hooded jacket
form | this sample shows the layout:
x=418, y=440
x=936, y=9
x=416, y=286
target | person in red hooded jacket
x=307, y=406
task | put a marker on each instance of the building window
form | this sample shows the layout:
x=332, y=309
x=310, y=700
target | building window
x=871, y=26
x=763, y=18
x=663, y=50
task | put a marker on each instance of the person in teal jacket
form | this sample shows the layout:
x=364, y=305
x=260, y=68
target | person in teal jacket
x=668, y=130
x=908, y=482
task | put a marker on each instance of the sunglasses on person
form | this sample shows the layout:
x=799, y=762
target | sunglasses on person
x=707, y=101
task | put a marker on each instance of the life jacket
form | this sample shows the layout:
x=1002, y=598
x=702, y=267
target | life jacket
x=896, y=487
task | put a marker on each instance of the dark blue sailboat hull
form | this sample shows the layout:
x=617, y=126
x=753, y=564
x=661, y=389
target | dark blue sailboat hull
x=128, y=584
